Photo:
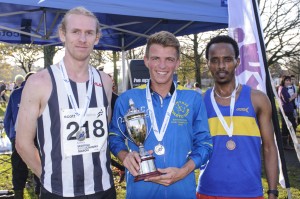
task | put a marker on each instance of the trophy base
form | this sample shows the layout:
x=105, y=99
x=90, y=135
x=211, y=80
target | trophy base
x=146, y=175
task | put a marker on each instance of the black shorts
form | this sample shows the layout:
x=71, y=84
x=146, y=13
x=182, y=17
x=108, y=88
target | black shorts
x=108, y=194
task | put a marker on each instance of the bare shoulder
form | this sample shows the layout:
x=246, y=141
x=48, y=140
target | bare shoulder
x=38, y=88
x=40, y=81
x=105, y=78
x=107, y=82
x=258, y=94
x=259, y=99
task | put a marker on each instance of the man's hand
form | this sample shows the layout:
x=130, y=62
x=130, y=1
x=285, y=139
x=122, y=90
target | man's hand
x=169, y=176
x=131, y=160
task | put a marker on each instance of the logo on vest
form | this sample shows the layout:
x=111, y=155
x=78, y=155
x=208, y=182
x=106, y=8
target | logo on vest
x=98, y=84
x=100, y=113
x=243, y=109
x=70, y=116
x=180, y=111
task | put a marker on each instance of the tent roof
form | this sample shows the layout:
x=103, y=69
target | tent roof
x=125, y=24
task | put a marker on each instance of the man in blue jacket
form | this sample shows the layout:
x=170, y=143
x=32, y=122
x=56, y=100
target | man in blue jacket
x=19, y=168
x=178, y=130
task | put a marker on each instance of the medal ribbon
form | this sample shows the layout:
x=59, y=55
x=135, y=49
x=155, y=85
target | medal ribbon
x=228, y=129
x=159, y=134
x=71, y=94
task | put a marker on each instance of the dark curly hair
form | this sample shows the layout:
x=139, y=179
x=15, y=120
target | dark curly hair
x=223, y=39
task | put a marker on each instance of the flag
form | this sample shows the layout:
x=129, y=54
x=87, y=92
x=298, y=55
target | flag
x=245, y=27
x=242, y=27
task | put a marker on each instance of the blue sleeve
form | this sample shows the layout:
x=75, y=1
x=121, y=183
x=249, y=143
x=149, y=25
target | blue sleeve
x=8, y=117
x=202, y=141
x=116, y=138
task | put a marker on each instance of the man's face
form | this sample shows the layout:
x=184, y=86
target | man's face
x=293, y=80
x=287, y=82
x=80, y=36
x=19, y=82
x=222, y=62
x=162, y=62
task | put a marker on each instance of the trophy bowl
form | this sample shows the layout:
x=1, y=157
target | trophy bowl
x=136, y=125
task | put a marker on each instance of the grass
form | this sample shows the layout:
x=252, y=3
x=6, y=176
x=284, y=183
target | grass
x=5, y=181
x=6, y=178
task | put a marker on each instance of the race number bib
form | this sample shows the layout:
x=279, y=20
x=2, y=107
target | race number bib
x=88, y=138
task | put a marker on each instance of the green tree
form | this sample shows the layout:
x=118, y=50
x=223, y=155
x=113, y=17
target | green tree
x=97, y=58
x=137, y=53
x=193, y=52
x=23, y=56
x=6, y=72
x=281, y=25
x=49, y=52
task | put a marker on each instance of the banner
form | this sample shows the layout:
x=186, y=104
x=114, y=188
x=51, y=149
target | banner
x=251, y=70
x=245, y=27
x=138, y=73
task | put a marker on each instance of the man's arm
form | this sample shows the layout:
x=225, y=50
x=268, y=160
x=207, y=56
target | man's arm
x=107, y=84
x=264, y=114
x=37, y=89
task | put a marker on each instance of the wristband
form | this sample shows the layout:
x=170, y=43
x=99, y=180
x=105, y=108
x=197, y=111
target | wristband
x=274, y=192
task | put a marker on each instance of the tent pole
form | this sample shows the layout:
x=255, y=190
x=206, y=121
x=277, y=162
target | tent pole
x=124, y=69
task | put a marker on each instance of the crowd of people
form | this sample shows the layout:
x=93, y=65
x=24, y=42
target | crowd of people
x=69, y=120
x=7, y=87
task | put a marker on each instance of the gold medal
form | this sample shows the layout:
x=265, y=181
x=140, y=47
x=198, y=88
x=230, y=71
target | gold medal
x=80, y=135
x=159, y=149
x=230, y=145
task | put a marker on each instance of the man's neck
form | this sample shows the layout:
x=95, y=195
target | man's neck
x=76, y=70
x=225, y=89
x=161, y=89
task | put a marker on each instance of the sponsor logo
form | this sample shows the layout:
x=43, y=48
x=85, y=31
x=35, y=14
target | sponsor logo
x=70, y=116
x=83, y=147
x=243, y=109
x=5, y=33
x=100, y=113
x=98, y=84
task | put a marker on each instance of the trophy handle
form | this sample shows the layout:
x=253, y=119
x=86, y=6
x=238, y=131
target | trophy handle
x=122, y=121
x=147, y=114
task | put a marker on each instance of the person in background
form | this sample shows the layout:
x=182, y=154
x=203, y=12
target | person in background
x=287, y=102
x=18, y=81
x=3, y=89
x=19, y=168
x=68, y=104
x=292, y=89
x=240, y=124
x=178, y=129
x=297, y=101
x=188, y=84
x=197, y=88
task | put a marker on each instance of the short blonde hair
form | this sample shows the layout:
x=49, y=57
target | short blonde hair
x=79, y=11
x=164, y=38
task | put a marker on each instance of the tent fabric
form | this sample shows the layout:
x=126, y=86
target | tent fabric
x=125, y=24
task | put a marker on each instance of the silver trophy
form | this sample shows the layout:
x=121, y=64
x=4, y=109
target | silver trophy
x=136, y=125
